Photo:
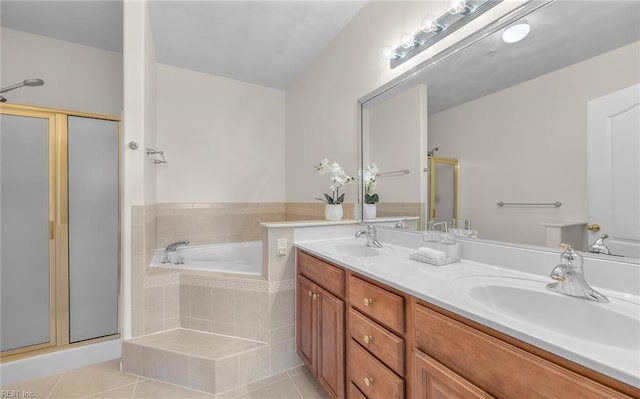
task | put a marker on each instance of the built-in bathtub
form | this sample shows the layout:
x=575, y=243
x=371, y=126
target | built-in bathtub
x=236, y=258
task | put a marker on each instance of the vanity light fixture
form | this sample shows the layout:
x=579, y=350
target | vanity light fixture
x=515, y=33
x=458, y=7
x=432, y=29
x=430, y=24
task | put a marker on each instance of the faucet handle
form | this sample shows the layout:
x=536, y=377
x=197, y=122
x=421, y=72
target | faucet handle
x=564, y=246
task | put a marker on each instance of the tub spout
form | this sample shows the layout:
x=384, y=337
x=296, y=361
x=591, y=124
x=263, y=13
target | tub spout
x=173, y=247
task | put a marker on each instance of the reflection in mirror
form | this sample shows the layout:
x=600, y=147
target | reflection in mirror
x=529, y=122
x=443, y=189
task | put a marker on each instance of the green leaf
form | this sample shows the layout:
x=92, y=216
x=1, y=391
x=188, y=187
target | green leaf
x=329, y=199
x=320, y=199
x=371, y=198
x=340, y=199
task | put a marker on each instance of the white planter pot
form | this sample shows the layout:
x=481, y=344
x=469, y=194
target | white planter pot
x=369, y=211
x=333, y=212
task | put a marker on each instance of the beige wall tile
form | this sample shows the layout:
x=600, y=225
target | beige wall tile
x=221, y=224
x=184, y=300
x=226, y=374
x=153, y=327
x=176, y=369
x=223, y=306
x=170, y=324
x=153, y=304
x=282, y=308
x=223, y=328
x=137, y=239
x=253, y=333
x=253, y=365
x=202, y=374
x=238, y=237
x=284, y=356
x=171, y=301
x=131, y=358
x=153, y=363
x=200, y=302
x=246, y=303
x=282, y=334
x=196, y=324
x=236, y=224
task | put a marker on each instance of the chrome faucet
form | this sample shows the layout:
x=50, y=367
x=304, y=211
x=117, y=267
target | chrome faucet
x=371, y=233
x=569, y=276
x=401, y=224
x=173, y=247
x=599, y=247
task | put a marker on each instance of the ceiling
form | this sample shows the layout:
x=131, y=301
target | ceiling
x=268, y=43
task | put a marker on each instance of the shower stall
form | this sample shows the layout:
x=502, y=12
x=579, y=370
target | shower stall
x=60, y=230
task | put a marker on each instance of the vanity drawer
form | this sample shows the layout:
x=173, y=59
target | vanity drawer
x=328, y=276
x=373, y=378
x=354, y=392
x=383, y=344
x=378, y=303
x=498, y=367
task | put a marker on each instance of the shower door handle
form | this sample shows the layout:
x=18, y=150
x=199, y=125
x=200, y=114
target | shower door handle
x=51, y=229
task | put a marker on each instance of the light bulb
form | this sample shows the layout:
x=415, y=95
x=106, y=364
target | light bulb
x=457, y=7
x=407, y=41
x=430, y=24
x=390, y=53
x=516, y=33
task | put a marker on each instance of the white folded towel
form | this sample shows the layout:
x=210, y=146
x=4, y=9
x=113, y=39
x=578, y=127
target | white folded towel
x=431, y=253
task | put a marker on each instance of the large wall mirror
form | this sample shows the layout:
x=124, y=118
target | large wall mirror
x=545, y=130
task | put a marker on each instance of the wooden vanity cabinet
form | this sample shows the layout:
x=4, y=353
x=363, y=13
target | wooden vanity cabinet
x=454, y=358
x=396, y=346
x=320, y=322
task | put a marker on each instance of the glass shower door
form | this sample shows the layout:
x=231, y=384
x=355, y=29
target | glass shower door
x=26, y=240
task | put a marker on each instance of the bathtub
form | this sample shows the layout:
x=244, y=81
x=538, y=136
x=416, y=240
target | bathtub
x=236, y=258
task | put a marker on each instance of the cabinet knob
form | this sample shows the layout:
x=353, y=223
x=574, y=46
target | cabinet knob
x=368, y=381
x=594, y=227
x=367, y=301
x=367, y=339
x=310, y=293
x=315, y=296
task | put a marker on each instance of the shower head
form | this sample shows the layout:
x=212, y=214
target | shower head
x=33, y=82
x=26, y=82
x=2, y=99
x=432, y=151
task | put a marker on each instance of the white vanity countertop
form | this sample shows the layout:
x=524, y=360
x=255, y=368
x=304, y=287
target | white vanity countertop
x=449, y=287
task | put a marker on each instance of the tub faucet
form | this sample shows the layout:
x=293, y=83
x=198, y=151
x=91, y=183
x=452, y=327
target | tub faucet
x=599, y=247
x=371, y=233
x=173, y=247
x=569, y=276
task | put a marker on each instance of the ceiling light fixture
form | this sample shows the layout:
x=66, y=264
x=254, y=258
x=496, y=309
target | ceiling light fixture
x=515, y=33
x=432, y=29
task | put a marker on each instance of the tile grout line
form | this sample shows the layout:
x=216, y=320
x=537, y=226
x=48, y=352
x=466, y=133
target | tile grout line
x=296, y=387
x=110, y=389
x=55, y=386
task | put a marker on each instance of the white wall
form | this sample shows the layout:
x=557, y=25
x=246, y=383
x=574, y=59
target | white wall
x=534, y=152
x=77, y=77
x=139, y=173
x=223, y=139
x=322, y=112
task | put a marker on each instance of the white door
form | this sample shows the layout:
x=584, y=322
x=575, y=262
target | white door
x=614, y=170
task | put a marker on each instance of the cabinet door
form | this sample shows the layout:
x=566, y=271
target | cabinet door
x=306, y=323
x=331, y=343
x=434, y=381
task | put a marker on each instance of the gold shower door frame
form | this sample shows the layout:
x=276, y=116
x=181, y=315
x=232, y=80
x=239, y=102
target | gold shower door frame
x=59, y=230
x=432, y=184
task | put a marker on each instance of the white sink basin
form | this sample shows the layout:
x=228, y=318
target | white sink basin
x=355, y=249
x=614, y=324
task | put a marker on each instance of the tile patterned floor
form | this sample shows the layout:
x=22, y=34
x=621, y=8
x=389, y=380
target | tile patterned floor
x=106, y=381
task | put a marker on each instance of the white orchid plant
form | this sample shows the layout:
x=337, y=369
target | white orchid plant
x=338, y=179
x=369, y=182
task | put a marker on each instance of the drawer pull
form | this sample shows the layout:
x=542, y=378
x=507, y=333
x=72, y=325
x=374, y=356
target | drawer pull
x=367, y=301
x=310, y=293
x=315, y=296
x=367, y=339
x=368, y=381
